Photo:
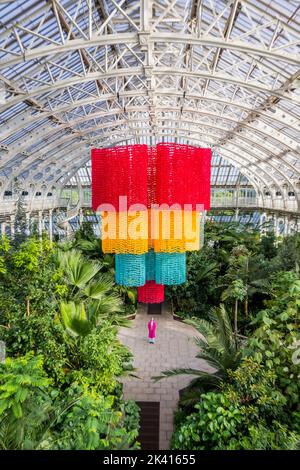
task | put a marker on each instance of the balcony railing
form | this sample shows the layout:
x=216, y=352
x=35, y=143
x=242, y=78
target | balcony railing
x=8, y=205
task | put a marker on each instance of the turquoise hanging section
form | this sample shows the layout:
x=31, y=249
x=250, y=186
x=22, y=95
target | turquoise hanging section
x=170, y=268
x=150, y=266
x=130, y=270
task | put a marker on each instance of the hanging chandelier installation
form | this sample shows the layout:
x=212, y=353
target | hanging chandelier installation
x=151, y=202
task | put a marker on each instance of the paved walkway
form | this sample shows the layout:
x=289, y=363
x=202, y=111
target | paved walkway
x=174, y=348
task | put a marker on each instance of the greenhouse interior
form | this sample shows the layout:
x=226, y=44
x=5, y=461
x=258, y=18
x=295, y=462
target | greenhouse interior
x=150, y=225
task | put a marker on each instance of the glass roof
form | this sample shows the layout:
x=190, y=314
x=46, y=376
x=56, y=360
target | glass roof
x=81, y=73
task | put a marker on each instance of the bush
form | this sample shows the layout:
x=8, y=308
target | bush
x=246, y=414
x=94, y=423
x=34, y=415
x=277, y=334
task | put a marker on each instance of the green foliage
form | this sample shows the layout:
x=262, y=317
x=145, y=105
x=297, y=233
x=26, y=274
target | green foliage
x=236, y=291
x=4, y=248
x=277, y=334
x=75, y=319
x=62, y=307
x=28, y=305
x=259, y=437
x=288, y=257
x=78, y=271
x=85, y=233
x=197, y=293
x=218, y=347
x=20, y=221
x=25, y=403
x=18, y=379
x=225, y=245
x=33, y=415
x=236, y=417
x=98, y=359
x=268, y=245
x=214, y=423
x=30, y=254
x=93, y=423
x=132, y=415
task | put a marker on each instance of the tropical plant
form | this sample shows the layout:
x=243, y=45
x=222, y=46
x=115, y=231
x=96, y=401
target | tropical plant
x=218, y=347
x=95, y=423
x=235, y=417
x=28, y=304
x=196, y=295
x=34, y=415
x=85, y=232
x=236, y=291
x=4, y=248
x=28, y=405
x=91, y=294
x=20, y=221
x=277, y=335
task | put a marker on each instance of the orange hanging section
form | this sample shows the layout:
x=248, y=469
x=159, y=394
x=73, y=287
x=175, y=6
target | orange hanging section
x=125, y=232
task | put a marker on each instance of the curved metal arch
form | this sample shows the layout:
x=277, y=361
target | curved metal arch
x=236, y=160
x=268, y=163
x=22, y=168
x=137, y=93
x=274, y=182
x=54, y=159
x=155, y=71
x=230, y=159
x=72, y=124
x=40, y=153
x=152, y=38
x=273, y=132
x=126, y=139
x=52, y=130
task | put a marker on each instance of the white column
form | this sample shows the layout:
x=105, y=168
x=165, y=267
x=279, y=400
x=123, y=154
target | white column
x=67, y=230
x=51, y=224
x=40, y=223
x=236, y=215
x=12, y=226
x=80, y=217
x=3, y=227
x=28, y=222
x=286, y=226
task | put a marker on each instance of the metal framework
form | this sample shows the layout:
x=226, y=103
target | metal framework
x=82, y=73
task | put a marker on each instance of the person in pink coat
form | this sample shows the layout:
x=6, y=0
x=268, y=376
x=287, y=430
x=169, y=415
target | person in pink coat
x=151, y=330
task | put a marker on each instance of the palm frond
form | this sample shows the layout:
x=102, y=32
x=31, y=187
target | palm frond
x=101, y=287
x=217, y=347
x=183, y=371
x=78, y=271
x=75, y=319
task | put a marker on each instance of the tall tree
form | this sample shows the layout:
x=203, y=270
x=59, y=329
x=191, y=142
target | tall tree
x=20, y=222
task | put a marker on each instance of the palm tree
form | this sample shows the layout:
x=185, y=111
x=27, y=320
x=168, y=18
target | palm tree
x=218, y=348
x=236, y=291
x=92, y=298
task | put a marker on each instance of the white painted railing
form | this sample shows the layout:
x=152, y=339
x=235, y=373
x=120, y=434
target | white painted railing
x=9, y=206
x=244, y=202
x=70, y=214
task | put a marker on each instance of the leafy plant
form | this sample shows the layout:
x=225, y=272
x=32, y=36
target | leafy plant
x=28, y=405
x=93, y=423
x=277, y=332
x=218, y=347
x=33, y=415
x=235, y=417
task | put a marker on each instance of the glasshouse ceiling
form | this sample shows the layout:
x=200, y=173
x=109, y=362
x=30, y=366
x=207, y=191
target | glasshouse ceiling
x=82, y=73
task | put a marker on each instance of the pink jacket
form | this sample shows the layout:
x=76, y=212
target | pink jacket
x=151, y=329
